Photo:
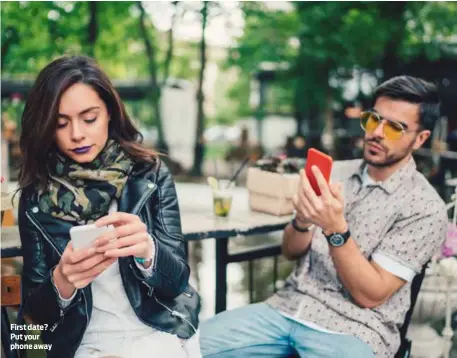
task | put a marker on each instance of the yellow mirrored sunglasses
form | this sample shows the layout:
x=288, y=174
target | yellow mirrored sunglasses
x=370, y=120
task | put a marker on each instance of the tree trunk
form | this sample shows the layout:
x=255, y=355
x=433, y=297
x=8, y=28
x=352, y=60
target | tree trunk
x=154, y=85
x=170, y=39
x=92, y=28
x=329, y=121
x=199, y=152
x=391, y=61
x=299, y=105
x=299, y=97
x=11, y=36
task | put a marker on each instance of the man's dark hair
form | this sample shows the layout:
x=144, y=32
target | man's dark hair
x=413, y=90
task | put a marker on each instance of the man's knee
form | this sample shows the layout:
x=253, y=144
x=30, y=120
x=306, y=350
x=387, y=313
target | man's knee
x=222, y=331
x=242, y=328
x=215, y=329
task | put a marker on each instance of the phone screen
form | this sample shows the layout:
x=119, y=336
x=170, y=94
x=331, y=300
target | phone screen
x=83, y=236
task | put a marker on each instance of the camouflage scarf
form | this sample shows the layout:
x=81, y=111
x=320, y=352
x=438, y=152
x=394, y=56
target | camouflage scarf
x=83, y=192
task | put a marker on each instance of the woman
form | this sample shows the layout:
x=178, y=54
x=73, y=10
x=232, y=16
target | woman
x=128, y=295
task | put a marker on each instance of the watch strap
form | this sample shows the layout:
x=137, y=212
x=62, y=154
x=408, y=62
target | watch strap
x=299, y=228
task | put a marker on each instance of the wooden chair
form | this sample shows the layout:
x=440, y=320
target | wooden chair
x=11, y=297
x=10, y=284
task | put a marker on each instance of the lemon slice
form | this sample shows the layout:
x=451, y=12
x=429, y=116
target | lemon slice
x=212, y=181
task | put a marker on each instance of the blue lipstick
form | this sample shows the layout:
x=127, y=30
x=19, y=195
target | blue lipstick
x=82, y=150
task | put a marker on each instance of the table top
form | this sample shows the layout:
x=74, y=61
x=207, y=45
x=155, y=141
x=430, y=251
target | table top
x=197, y=218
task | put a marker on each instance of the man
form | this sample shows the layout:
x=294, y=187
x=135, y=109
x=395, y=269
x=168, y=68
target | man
x=358, y=246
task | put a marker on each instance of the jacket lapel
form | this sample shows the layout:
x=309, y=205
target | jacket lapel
x=136, y=191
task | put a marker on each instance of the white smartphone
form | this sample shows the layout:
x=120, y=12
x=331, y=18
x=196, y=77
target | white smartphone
x=84, y=235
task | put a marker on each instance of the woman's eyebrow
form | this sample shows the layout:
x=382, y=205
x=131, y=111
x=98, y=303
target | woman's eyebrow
x=84, y=111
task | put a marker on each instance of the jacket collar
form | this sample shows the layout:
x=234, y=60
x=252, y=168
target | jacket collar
x=133, y=195
x=138, y=187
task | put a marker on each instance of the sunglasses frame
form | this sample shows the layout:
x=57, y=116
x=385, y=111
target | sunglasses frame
x=381, y=119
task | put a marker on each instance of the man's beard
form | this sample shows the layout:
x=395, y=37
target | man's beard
x=391, y=159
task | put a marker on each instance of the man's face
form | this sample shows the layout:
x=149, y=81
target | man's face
x=379, y=151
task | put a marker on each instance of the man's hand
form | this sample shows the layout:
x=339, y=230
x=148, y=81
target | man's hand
x=325, y=211
x=129, y=238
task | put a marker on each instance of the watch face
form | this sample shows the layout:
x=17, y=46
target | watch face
x=337, y=240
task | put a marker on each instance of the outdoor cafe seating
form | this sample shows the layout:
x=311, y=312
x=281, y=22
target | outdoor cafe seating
x=198, y=223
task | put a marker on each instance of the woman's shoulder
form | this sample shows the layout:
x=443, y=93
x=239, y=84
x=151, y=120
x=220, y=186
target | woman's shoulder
x=155, y=171
x=27, y=195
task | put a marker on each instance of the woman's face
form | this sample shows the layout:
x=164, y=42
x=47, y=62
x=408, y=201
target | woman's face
x=82, y=123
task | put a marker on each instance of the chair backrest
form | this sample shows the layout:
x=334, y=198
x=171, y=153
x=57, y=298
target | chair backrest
x=11, y=290
x=415, y=288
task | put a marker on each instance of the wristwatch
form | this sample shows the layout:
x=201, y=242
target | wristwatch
x=337, y=239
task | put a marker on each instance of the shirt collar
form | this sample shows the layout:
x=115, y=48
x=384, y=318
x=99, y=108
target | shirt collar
x=391, y=183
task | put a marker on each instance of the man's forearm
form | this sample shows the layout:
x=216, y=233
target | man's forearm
x=295, y=243
x=358, y=275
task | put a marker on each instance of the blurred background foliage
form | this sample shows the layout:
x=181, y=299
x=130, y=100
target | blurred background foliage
x=311, y=47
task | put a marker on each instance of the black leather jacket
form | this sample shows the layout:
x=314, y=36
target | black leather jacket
x=164, y=301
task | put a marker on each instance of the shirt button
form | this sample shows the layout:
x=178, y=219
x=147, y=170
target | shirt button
x=35, y=209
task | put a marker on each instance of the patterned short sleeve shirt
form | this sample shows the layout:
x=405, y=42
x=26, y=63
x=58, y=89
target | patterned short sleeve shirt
x=402, y=220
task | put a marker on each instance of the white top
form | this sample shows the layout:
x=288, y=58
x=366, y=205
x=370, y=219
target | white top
x=112, y=313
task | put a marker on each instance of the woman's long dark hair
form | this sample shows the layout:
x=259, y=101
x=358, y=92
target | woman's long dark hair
x=39, y=119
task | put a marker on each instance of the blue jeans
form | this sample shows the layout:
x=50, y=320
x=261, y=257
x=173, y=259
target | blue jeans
x=259, y=330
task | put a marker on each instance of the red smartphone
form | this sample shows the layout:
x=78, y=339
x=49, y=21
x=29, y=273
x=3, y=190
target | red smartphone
x=323, y=162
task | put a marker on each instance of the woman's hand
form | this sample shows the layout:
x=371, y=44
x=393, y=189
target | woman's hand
x=78, y=268
x=129, y=238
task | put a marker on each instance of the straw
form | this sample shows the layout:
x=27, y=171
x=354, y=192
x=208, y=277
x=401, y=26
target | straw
x=234, y=176
x=215, y=169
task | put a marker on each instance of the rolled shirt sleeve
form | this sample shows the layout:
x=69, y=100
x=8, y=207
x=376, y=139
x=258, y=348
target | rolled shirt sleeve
x=412, y=241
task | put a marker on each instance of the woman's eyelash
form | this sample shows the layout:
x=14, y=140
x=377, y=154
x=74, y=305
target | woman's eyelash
x=89, y=121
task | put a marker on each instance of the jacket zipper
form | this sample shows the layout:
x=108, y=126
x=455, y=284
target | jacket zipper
x=140, y=206
x=151, y=289
x=175, y=313
x=62, y=311
x=54, y=326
